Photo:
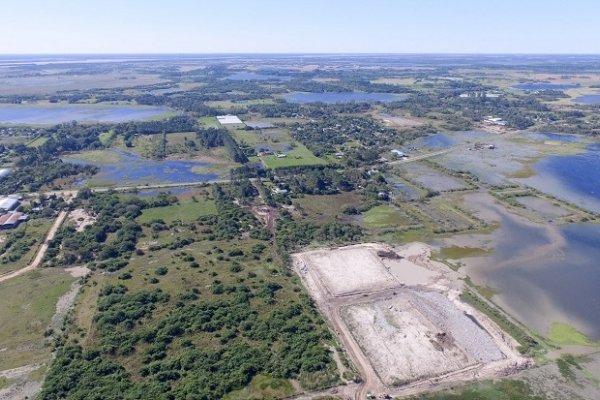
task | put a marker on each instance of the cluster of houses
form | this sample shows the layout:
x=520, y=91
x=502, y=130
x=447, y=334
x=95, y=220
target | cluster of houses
x=9, y=217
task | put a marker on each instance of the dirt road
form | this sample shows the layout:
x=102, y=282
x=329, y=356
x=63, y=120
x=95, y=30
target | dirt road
x=424, y=156
x=41, y=251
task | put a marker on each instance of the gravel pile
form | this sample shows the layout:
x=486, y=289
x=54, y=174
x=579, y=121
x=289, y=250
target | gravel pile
x=467, y=334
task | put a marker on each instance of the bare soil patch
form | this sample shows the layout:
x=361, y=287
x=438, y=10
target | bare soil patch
x=399, y=317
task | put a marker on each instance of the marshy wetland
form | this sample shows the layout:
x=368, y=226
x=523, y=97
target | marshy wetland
x=50, y=114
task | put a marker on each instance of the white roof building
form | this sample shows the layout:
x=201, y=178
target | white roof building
x=229, y=119
x=8, y=203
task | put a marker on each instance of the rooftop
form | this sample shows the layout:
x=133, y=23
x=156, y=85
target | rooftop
x=229, y=119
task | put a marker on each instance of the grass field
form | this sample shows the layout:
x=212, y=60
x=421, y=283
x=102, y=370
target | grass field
x=27, y=306
x=456, y=252
x=280, y=141
x=96, y=156
x=209, y=122
x=383, y=216
x=295, y=157
x=263, y=387
x=323, y=208
x=187, y=210
x=564, y=334
x=502, y=390
x=37, y=142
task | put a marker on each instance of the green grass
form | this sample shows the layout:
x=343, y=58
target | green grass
x=187, y=210
x=5, y=382
x=564, y=334
x=96, y=156
x=106, y=137
x=382, y=216
x=251, y=138
x=263, y=387
x=456, y=252
x=38, y=142
x=277, y=140
x=27, y=306
x=298, y=156
x=321, y=208
x=503, y=390
x=208, y=122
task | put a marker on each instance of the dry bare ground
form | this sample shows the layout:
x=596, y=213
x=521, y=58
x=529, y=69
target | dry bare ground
x=399, y=317
x=81, y=218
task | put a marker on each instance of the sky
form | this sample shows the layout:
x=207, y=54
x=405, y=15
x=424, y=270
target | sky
x=299, y=26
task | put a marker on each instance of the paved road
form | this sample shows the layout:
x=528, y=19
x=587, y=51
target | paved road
x=41, y=251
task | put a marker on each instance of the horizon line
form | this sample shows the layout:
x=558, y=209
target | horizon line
x=299, y=53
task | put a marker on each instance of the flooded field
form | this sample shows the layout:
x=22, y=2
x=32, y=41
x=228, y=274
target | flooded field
x=132, y=169
x=430, y=178
x=436, y=141
x=543, y=274
x=589, y=99
x=573, y=178
x=56, y=114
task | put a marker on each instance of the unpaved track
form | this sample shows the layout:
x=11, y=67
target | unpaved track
x=424, y=156
x=41, y=252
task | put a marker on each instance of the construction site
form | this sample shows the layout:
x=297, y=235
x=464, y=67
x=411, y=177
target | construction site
x=399, y=316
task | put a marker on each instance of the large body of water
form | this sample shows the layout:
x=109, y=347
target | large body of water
x=343, y=97
x=545, y=86
x=56, y=114
x=543, y=274
x=573, y=178
x=561, y=286
x=589, y=99
x=133, y=169
x=436, y=141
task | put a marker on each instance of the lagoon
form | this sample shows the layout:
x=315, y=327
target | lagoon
x=31, y=114
x=343, y=97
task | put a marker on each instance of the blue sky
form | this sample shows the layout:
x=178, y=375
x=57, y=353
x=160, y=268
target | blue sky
x=290, y=26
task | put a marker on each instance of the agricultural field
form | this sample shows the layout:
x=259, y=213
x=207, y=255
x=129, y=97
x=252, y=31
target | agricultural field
x=188, y=209
x=279, y=141
x=26, y=310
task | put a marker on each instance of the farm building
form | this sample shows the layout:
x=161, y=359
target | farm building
x=259, y=125
x=229, y=120
x=12, y=219
x=8, y=203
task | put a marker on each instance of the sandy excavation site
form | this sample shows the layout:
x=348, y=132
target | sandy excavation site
x=399, y=316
